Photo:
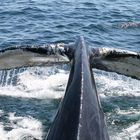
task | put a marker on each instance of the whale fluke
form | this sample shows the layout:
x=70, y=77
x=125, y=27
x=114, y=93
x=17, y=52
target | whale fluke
x=116, y=60
x=25, y=56
x=108, y=59
x=80, y=116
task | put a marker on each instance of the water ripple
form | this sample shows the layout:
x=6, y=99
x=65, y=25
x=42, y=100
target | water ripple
x=103, y=24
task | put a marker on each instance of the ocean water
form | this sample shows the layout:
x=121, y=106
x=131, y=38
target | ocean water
x=29, y=97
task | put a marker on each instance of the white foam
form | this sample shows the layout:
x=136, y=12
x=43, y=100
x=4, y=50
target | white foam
x=41, y=86
x=51, y=83
x=132, y=132
x=1, y=112
x=2, y=133
x=112, y=84
x=21, y=128
x=40, y=83
x=131, y=111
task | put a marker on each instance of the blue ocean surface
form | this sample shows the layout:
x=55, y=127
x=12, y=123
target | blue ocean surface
x=29, y=97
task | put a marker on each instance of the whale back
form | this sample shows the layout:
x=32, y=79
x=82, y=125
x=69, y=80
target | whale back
x=79, y=116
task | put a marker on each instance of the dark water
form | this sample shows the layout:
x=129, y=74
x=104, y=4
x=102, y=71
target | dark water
x=41, y=22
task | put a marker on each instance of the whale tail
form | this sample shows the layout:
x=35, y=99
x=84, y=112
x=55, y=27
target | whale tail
x=116, y=60
x=80, y=115
x=28, y=56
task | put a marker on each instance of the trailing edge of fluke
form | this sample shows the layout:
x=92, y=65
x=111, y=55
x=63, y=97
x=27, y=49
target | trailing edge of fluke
x=108, y=59
x=79, y=116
